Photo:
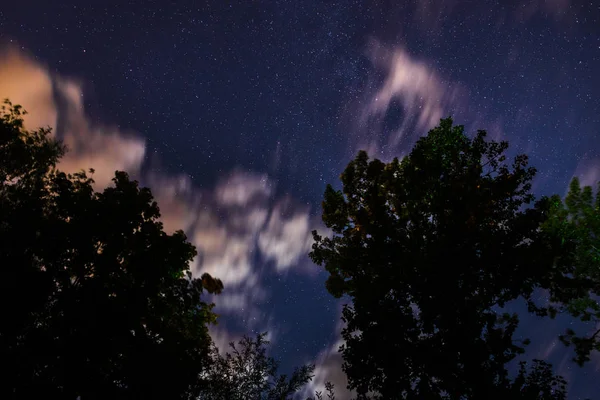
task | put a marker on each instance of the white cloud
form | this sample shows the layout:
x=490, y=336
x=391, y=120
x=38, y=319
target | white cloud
x=415, y=93
x=286, y=240
x=423, y=95
x=228, y=223
x=236, y=226
x=241, y=188
x=231, y=263
x=414, y=84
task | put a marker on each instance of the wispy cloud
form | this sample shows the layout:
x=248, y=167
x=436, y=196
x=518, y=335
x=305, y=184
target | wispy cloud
x=588, y=172
x=328, y=367
x=286, y=237
x=57, y=101
x=410, y=88
x=239, y=227
x=103, y=148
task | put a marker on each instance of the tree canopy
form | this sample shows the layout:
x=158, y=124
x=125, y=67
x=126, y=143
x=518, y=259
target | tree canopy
x=246, y=372
x=575, y=223
x=429, y=249
x=97, y=301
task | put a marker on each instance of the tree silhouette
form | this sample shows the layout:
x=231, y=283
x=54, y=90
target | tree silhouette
x=329, y=392
x=429, y=249
x=97, y=301
x=575, y=225
x=246, y=372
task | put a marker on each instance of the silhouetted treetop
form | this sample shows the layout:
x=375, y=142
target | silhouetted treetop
x=575, y=226
x=96, y=299
x=428, y=248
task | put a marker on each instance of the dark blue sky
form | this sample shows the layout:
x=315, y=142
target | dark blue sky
x=271, y=99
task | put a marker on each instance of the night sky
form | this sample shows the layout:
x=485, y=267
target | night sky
x=237, y=114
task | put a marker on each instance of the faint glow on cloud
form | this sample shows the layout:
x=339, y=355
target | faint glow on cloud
x=222, y=338
x=177, y=199
x=328, y=368
x=231, y=262
x=105, y=149
x=27, y=83
x=588, y=172
x=550, y=349
x=240, y=189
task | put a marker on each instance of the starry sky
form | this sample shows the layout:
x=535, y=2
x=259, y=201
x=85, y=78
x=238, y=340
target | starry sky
x=238, y=113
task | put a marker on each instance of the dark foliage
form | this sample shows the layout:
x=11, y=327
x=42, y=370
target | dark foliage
x=246, y=372
x=329, y=393
x=575, y=225
x=97, y=301
x=429, y=249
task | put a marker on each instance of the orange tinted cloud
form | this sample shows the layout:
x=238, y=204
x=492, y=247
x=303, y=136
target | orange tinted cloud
x=229, y=224
x=27, y=82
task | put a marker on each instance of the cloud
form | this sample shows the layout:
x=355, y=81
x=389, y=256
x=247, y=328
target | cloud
x=240, y=189
x=405, y=98
x=177, y=199
x=55, y=101
x=588, y=172
x=222, y=338
x=25, y=82
x=103, y=148
x=420, y=93
x=238, y=226
x=286, y=240
x=242, y=231
x=328, y=367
